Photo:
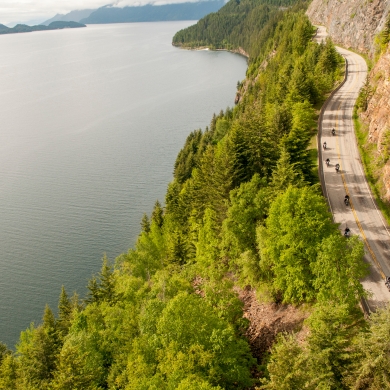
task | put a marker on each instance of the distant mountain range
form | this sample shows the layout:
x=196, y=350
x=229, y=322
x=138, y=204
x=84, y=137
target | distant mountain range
x=74, y=16
x=22, y=28
x=146, y=13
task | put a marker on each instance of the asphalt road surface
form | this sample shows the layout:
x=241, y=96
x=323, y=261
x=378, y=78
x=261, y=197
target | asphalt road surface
x=362, y=216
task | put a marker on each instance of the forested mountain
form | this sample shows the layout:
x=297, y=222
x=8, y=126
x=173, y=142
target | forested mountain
x=239, y=24
x=22, y=28
x=153, y=13
x=244, y=211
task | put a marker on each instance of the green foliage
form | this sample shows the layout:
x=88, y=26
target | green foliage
x=188, y=157
x=37, y=354
x=158, y=214
x=212, y=182
x=240, y=210
x=188, y=339
x=297, y=142
x=8, y=373
x=102, y=287
x=237, y=24
x=288, y=366
x=285, y=173
x=325, y=361
x=364, y=96
x=371, y=366
x=4, y=351
x=339, y=269
x=249, y=206
x=207, y=246
x=80, y=365
x=64, y=312
x=297, y=222
x=145, y=224
x=383, y=38
x=150, y=253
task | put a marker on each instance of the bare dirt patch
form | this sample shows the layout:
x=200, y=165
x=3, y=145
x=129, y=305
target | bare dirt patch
x=267, y=320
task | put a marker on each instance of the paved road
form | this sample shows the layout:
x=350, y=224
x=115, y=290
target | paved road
x=362, y=216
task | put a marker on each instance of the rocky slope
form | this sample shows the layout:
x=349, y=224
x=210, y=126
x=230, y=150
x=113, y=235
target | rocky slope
x=351, y=23
x=377, y=120
x=377, y=115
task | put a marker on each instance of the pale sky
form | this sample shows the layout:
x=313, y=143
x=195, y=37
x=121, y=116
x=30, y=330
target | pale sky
x=35, y=11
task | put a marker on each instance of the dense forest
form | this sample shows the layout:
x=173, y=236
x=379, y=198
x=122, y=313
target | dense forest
x=244, y=211
x=244, y=24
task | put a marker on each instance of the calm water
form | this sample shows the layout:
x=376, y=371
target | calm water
x=91, y=121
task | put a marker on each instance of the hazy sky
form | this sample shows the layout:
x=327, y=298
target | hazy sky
x=27, y=11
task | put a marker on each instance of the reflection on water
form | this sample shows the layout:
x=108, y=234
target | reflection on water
x=91, y=122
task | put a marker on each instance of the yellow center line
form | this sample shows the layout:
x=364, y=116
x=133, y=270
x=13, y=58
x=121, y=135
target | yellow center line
x=350, y=201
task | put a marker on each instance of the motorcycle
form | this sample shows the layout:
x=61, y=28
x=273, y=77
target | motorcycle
x=333, y=132
x=327, y=162
x=324, y=145
x=387, y=282
x=347, y=232
x=346, y=200
x=337, y=167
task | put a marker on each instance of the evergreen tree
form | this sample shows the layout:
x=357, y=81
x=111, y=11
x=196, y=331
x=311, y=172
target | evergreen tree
x=158, y=214
x=107, y=282
x=93, y=290
x=4, y=351
x=9, y=373
x=284, y=174
x=145, y=224
x=64, y=312
x=370, y=366
x=36, y=353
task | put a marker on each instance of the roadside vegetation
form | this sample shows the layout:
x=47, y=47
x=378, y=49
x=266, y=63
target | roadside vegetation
x=244, y=211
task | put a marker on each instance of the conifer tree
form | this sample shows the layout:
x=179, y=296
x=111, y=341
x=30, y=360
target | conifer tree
x=8, y=373
x=93, y=290
x=158, y=214
x=284, y=174
x=145, y=224
x=37, y=352
x=4, y=351
x=64, y=312
x=107, y=282
x=102, y=287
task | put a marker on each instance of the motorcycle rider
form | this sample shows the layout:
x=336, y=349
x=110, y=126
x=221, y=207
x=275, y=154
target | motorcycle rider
x=346, y=199
x=347, y=232
x=333, y=131
x=337, y=167
x=387, y=282
x=324, y=145
x=327, y=161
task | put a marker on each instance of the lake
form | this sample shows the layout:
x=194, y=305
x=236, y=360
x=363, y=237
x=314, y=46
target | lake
x=91, y=121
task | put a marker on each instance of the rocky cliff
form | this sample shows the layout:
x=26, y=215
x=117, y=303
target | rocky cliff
x=377, y=115
x=377, y=119
x=351, y=23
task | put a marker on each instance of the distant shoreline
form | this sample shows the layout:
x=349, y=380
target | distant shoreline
x=239, y=51
x=24, y=28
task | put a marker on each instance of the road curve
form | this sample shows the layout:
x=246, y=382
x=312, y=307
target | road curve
x=362, y=215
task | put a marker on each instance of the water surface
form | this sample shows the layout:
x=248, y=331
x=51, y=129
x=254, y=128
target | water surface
x=91, y=121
